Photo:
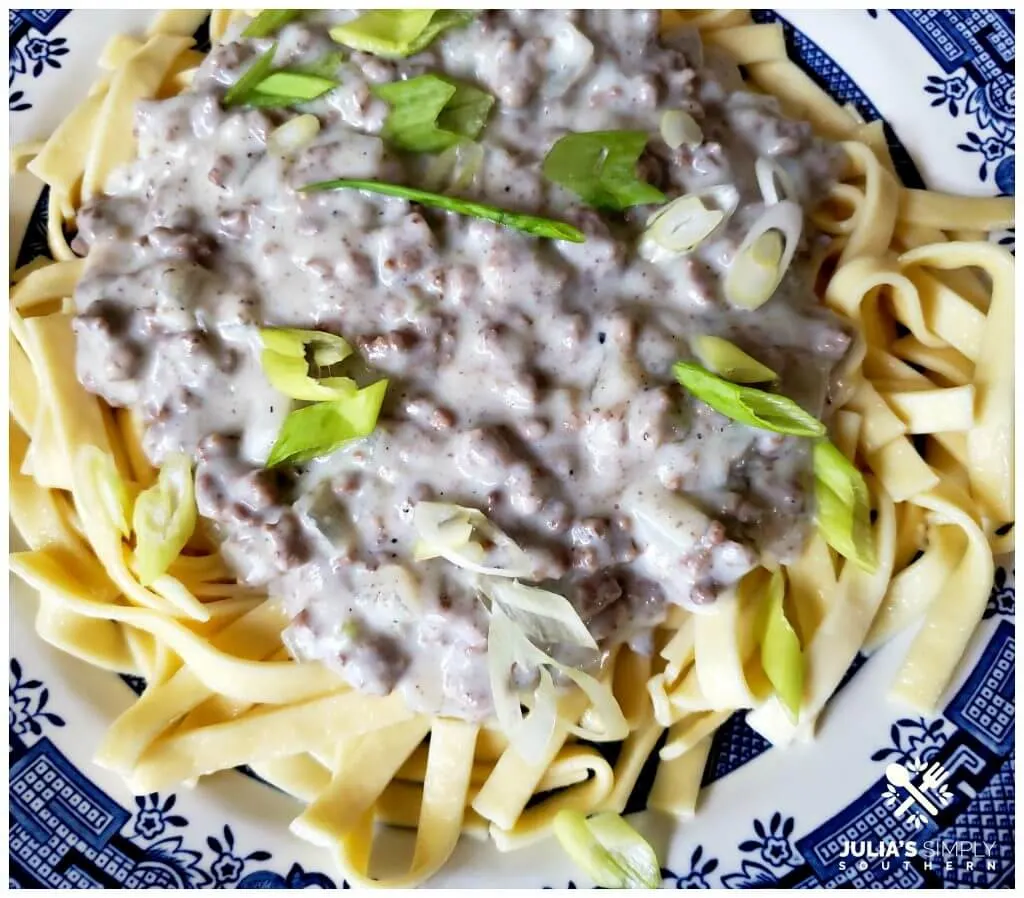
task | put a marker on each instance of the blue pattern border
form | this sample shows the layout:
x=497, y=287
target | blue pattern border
x=66, y=832
x=976, y=49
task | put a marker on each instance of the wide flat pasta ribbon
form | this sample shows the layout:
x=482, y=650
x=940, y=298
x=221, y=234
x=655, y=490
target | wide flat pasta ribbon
x=253, y=681
x=953, y=615
x=594, y=782
x=441, y=812
x=251, y=637
x=990, y=440
x=677, y=781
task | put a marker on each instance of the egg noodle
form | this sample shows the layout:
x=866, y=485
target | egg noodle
x=928, y=421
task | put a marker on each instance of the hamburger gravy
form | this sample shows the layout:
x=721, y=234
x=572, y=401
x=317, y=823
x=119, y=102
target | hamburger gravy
x=528, y=378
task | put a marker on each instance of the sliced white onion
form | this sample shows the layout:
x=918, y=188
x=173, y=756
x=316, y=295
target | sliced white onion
x=774, y=181
x=679, y=228
x=529, y=734
x=604, y=709
x=678, y=128
x=685, y=223
x=543, y=616
x=506, y=646
x=455, y=168
x=662, y=515
x=446, y=531
x=293, y=135
x=569, y=57
x=759, y=266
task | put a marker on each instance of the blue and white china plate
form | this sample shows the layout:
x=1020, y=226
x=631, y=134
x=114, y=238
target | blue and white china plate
x=814, y=815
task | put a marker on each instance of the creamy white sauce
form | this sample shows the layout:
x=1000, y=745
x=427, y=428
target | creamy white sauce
x=529, y=378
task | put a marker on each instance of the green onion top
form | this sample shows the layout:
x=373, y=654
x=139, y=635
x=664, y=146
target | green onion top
x=529, y=224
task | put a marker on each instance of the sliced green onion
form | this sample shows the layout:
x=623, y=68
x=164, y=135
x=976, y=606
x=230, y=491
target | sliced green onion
x=293, y=87
x=385, y=32
x=756, y=408
x=678, y=228
x=442, y=20
x=293, y=135
x=729, y=361
x=781, y=655
x=686, y=222
x=110, y=488
x=448, y=531
x=327, y=349
x=319, y=429
x=288, y=355
x=270, y=21
x=466, y=112
x=240, y=90
x=325, y=67
x=544, y=617
x=754, y=274
x=397, y=32
x=412, y=119
x=843, y=510
x=764, y=256
x=678, y=128
x=429, y=114
x=164, y=518
x=600, y=168
x=608, y=850
x=773, y=181
x=529, y=224
x=455, y=168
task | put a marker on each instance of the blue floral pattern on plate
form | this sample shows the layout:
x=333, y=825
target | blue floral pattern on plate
x=27, y=705
x=976, y=50
x=88, y=839
x=32, y=52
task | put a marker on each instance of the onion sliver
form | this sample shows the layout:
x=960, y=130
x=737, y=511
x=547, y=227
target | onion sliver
x=773, y=181
x=686, y=222
x=507, y=649
x=764, y=257
x=543, y=616
x=446, y=531
x=455, y=168
x=678, y=128
x=293, y=135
